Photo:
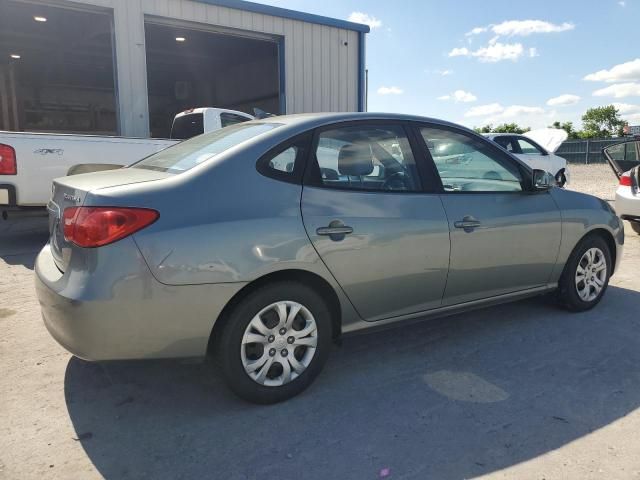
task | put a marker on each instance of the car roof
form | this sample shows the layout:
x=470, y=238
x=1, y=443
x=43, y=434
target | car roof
x=311, y=120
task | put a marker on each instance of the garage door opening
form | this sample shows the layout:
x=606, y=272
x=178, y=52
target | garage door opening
x=192, y=68
x=56, y=70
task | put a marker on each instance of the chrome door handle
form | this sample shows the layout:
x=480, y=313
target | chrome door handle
x=334, y=230
x=468, y=223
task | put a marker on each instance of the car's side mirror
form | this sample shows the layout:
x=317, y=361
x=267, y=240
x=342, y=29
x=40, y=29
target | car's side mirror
x=542, y=180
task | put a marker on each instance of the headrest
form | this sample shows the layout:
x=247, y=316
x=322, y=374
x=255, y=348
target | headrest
x=355, y=159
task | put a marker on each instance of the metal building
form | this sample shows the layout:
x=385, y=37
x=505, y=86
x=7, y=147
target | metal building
x=125, y=67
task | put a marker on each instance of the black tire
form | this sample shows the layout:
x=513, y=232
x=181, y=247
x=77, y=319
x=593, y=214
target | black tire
x=567, y=289
x=635, y=226
x=230, y=343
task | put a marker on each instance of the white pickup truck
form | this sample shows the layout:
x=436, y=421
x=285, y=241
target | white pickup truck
x=30, y=161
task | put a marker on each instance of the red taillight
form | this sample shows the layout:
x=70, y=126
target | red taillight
x=8, y=164
x=96, y=226
x=625, y=179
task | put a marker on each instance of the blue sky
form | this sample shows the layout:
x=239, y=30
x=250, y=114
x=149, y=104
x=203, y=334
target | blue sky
x=422, y=58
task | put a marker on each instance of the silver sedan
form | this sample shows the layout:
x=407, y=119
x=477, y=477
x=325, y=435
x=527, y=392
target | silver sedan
x=263, y=242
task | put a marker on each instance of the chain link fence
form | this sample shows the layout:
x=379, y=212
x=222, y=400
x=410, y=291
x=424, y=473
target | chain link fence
x=585, y=151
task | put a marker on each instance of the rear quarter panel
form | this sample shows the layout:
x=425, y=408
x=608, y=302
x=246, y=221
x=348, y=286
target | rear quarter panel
x=222, y=222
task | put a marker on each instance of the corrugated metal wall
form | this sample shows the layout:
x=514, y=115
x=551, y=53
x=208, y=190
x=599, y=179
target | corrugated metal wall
x=321, y=62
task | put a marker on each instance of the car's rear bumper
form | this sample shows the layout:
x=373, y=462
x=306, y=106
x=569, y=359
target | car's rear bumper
x=116, y=310
x=627, y=203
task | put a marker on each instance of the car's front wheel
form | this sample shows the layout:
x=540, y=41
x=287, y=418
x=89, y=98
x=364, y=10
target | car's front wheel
x=275, y=342
x=635, y=226
x=586, y=275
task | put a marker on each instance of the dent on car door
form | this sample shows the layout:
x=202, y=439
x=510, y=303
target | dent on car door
x=385, y=241
x=503, y=239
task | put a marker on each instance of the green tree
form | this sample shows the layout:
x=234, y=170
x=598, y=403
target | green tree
x=602, y=122
x=567, y=127
x=504, y=128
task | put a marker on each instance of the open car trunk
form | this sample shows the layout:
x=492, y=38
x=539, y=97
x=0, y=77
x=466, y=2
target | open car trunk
x=623, y=156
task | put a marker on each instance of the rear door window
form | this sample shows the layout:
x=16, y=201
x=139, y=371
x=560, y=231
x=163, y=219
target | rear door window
x=367, y=157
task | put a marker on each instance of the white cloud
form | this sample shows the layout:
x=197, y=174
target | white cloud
x=628, y=112
x=533, y=52
x=510, y=28
x=518, y=110
x=484, y=110
x=459, y=52
x=522, y=114
x=494, y=52
x=390, y=91
x=476, y=31
x=622, y=3
x=499, y=51
x=365, y=18
x=444, y=73
x=527, y=27
x=465, y=97
x=460, y=96
x=619, y=90
x=619, y=73
x=626, y=108
x=566, y=99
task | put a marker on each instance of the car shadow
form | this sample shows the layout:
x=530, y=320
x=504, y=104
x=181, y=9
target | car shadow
x=21, y=239
x=455, y=398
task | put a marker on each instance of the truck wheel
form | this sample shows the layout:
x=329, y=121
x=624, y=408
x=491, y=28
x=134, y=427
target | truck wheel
x=275, y=342
x=586, y=275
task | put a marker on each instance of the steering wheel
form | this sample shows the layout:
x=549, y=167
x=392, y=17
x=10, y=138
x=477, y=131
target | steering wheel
x=396, y=181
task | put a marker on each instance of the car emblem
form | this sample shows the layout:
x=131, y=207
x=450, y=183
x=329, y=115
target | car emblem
x=49, y=151
x=71, y=198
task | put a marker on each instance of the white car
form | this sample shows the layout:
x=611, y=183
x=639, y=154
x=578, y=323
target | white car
x=624, y=158
x=537, y=149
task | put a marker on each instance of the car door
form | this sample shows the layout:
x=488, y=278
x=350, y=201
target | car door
x=373, y=221
x=503, y=238
x=533, y=155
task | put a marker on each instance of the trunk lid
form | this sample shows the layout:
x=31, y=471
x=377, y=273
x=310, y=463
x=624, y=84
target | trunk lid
x=623, y=156
x=72, y=191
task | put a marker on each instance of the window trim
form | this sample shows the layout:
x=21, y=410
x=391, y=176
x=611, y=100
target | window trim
x=492, y=147
x=313, y=177
x=302, y=141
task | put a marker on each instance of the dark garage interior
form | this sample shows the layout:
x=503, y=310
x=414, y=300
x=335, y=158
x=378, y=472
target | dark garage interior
x=189, y=68
x=56, y=70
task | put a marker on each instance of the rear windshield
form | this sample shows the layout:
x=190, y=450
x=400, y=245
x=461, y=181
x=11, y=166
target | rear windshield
x=187, y=126
x=188, y=154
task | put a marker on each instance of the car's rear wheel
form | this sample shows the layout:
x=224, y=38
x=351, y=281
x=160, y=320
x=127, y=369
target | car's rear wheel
x=275, y=342
x=586, y=275
x=635, y=226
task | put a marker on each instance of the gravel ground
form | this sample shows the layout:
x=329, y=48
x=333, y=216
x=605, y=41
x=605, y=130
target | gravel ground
x=596, y=179
x=519, y=391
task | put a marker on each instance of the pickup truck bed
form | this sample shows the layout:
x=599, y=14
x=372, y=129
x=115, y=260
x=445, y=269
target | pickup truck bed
x=41, y=157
